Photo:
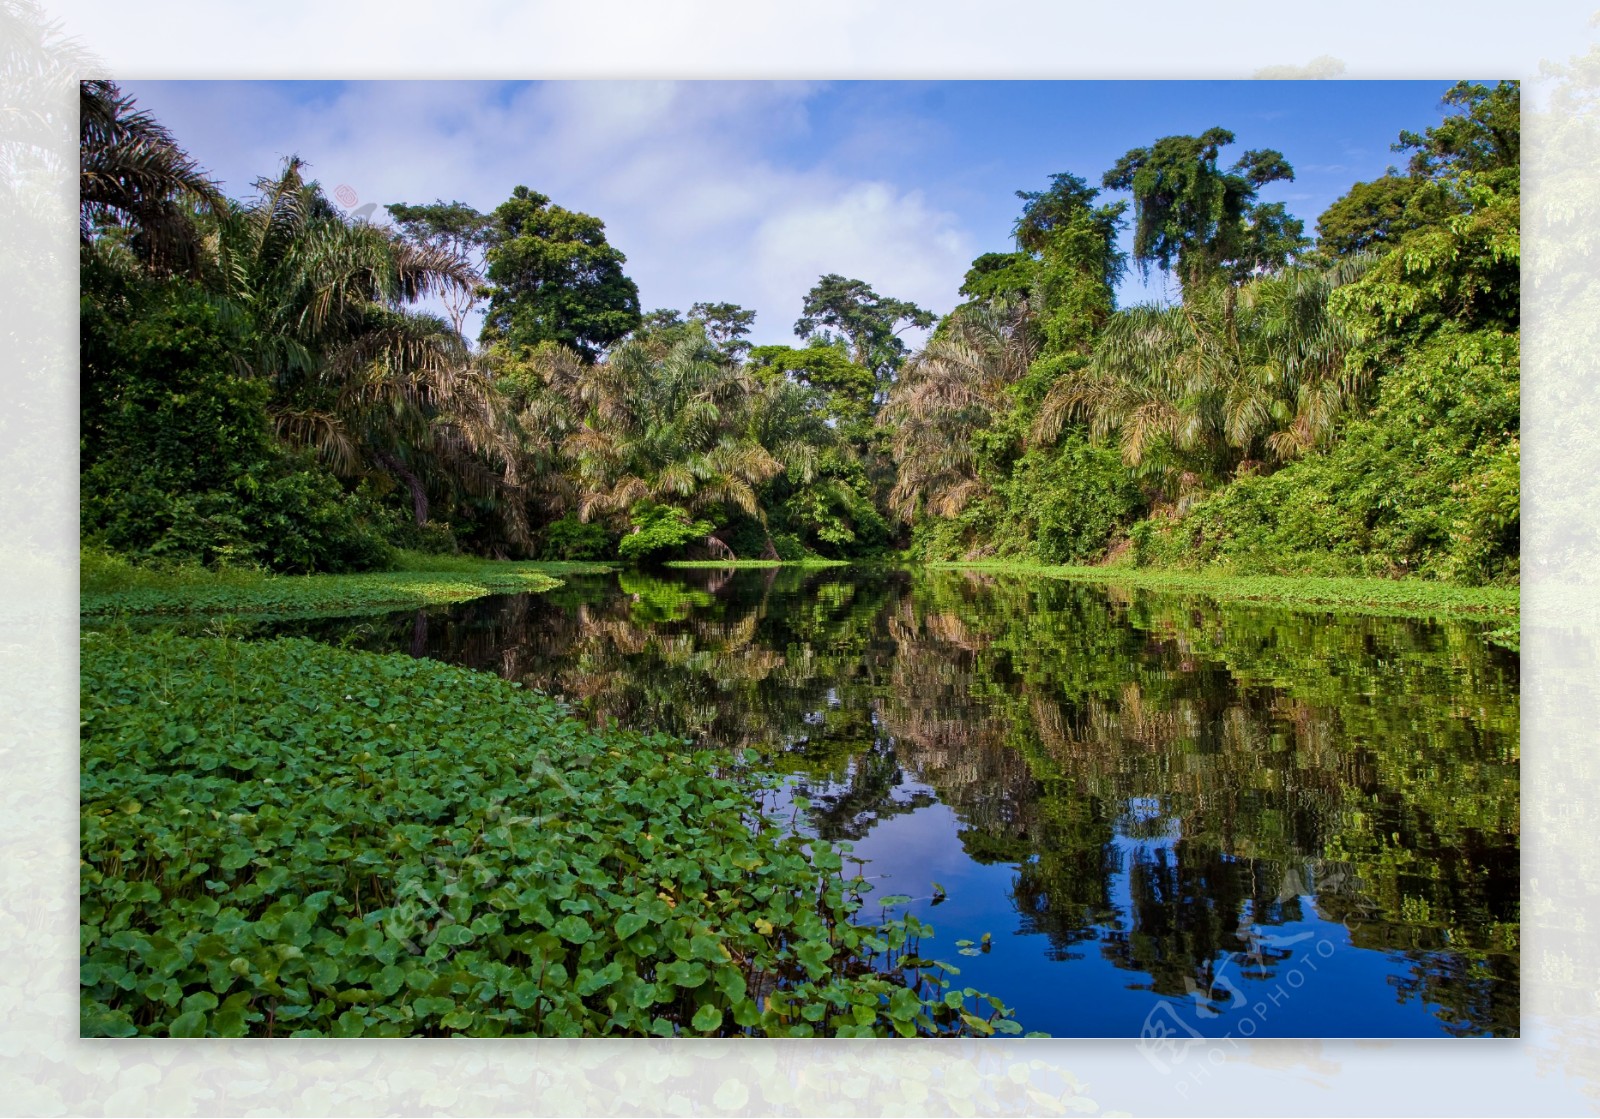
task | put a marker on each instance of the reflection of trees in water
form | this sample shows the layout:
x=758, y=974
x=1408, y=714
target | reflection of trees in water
x=873, y=789
x=1189, y=902
x=1265, y=739
x=1209, y=758
x=1474, y=995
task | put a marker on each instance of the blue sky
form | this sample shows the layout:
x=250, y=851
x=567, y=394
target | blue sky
x=747, y=191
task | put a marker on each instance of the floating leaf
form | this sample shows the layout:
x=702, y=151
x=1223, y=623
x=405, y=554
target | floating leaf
x=630, y=923
x=189, y=1024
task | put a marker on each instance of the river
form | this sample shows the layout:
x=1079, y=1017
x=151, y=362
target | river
x=1150, y=814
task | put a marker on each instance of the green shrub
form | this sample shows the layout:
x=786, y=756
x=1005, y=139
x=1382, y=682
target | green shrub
x=179, y=461
x=659, y=528
x=1064, y=504
x=1060, y=504
x=571, y=539
x=790, y=548
x=1427, y=484
x=833, y=515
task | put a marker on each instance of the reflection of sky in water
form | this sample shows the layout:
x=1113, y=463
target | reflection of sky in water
x=1152, y=852
x=1334, y=990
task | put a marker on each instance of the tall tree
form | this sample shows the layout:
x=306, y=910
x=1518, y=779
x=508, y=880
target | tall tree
x=1003, y=277
x=1064, y=241
x=1484, y=135
x=847, y=388
x=452, y=227
x=727, y=325
x=952, y=389
x=1075, y=241
x=555, y=278
x=1480, y=136
x=1369, y=217
x=870, y=324
x=1194, y=217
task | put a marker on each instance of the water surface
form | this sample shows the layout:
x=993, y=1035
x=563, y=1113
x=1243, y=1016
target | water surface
x=1172, y=817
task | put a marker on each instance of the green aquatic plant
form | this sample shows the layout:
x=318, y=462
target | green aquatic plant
x=282, y=839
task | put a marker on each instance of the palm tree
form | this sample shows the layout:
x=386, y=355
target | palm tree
x=954, y=387
x=133, y=176
x=673, y=430
x=1225, y=382
x=371, y=384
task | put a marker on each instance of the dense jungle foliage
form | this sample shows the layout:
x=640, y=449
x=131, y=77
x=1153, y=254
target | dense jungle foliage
x=262, y=386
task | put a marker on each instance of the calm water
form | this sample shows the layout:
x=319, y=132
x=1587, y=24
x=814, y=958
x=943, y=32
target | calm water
x=1170, y=816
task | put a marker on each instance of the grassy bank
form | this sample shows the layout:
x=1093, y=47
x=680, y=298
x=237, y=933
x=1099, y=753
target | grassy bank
x=279, y=838
x=1399, y=597
x=757, y=563
x=110, y=585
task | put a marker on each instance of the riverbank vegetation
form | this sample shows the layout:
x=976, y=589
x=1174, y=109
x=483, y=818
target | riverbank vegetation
x=264, y=384
x=1398, y=597
x=112, y=585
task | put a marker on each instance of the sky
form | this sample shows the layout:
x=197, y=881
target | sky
x=747, y=192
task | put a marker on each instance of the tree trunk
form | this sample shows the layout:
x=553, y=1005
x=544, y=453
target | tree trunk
x=1230, y=303
x=419, y=492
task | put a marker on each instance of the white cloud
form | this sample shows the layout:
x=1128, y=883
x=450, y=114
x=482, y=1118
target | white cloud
x=871, y=231
x=698, y=182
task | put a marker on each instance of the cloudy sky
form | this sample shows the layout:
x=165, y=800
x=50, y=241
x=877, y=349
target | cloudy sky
x=748, y=191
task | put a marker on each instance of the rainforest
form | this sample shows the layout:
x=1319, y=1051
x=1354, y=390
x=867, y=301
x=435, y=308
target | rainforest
x=468, y=650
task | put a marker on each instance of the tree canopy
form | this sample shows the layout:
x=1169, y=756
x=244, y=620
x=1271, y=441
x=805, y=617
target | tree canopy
x=1037, y=418
x=1370, y=217
x=1484, y=134
x=554, y=278
x=133, y=176
x=452, y=227
x=869, y=323
x=1193, y=217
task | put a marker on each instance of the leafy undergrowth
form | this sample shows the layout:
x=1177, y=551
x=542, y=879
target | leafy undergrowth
x=1400, y=597
x=111, y=586
x=279, y=838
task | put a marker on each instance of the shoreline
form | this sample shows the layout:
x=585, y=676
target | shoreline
x=1390, y=597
